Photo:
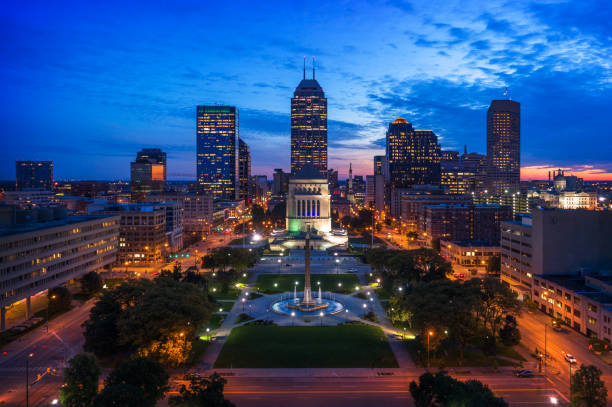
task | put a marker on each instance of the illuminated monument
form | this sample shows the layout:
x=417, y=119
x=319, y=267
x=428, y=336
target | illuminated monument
x=308, y=201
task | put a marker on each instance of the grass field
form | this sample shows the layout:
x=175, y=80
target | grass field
x=306, y=347
x=286, y=282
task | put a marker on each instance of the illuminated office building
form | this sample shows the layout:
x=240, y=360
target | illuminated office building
x=449, y=155
x=503, y=146
x=309, y=126
x=413, y=156
x=456, y=178
x=379, y=162
x=34, y=175
x=148, y=173
x=244, y=171
x=217, y=151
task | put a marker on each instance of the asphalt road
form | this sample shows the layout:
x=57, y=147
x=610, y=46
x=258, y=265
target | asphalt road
x=48, y=350
x=533, y=332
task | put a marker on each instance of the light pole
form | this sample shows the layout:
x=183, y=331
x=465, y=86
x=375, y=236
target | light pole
x=430, y=333
x=365, y=307
x=31, y=355
x=570, y=379
x=321, y=315
x=243, y=301
x=337, y=261
x=49, y=302
x=279, y=265
x=292, y=315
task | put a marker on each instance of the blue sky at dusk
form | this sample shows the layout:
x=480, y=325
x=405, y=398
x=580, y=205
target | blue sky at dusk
x=88, y=84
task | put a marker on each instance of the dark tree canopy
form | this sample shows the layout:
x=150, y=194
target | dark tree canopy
x=202, y=392
x=588, y=390
x=144, y=374
x=442, y=390
x=60, y=299
x=91, y=283
x=80, y=381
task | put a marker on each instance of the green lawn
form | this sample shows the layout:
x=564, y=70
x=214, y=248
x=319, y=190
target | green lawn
x=286, y=282
x=306, y=347
x=231, y=294
x=472, y=356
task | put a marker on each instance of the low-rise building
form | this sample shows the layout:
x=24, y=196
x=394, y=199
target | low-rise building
x=39, y=251
x=468, y=253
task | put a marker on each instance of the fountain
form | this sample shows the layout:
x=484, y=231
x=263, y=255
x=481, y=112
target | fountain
x=308, y=306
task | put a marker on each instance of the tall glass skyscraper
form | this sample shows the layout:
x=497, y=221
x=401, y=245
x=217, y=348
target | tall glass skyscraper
x=413, y=156
x=503, y=146
x=309, y=126
x=34, y=174
x=217, y=150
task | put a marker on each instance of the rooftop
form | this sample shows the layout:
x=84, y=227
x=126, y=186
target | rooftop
x=576, y=284
x=19, y=229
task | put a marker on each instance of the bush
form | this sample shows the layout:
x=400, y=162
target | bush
x=91, y=283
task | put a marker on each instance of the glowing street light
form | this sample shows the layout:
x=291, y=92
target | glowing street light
x=429, y=334
x=292, y=315
x=321, y=315
x=554, y=401
x=243, y=301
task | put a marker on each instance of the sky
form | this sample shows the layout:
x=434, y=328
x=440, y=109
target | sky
x=88, y=84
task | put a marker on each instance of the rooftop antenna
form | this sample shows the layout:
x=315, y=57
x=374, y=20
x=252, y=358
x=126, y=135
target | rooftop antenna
x=304, y=67
x=313, y=68
x=506, y=94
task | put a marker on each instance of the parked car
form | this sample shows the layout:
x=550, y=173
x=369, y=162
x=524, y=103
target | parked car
x=570, y=358
x=523, y=373
x=459, y=275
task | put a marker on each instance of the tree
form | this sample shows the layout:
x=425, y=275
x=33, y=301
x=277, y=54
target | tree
x=144, y=374
x=496, y=300
x=588, y=390
x=510, y=334
x=59, y=299
x=202, y=392
x=494, y=265
x=91, y=283
x=441, y=390
x=101, y=331
x=80, y=381
x=121, y=395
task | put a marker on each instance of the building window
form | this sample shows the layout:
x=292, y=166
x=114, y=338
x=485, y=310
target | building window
x=576, y=312
x=576, y=300
x=592, y=308
x=592, y=321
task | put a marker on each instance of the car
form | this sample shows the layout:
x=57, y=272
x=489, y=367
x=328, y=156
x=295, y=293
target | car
x=352, y=270
x=570, y=358
x=287, y=265
x=523, y=373
x=459, y=275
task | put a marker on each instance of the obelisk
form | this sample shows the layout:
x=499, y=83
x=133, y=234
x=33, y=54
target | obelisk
x=307, y=291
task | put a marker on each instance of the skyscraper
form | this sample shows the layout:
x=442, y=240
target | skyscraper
x=413, y=156
x=217, y=150
x=244, y=171
x=147, y=173
x=34, y=174
x=503, y=146
x=309, y=126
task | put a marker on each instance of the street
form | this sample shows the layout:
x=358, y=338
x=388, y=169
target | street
x=532, y=326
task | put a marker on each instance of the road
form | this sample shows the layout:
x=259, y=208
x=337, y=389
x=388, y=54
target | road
x=281, y=391
x=49, y=350
x=532, y=326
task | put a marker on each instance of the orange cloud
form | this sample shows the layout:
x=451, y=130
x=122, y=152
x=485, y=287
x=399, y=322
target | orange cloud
x=588, y=172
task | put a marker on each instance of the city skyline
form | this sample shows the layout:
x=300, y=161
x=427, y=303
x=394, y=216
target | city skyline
x=116, y=96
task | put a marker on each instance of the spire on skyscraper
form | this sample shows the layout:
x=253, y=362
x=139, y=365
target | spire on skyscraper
x=313, y=69
x=304, y=67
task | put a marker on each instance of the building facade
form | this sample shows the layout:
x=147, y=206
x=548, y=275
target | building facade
x=41, y=255
x=244, y=171
x=34, y=175
x=503, y=146
x=147, y=173
x=465, y=222
x=309, y=126
x=379, y=162
x=217, y=151
x=413, y=156
x=308, y=201
x=468, y=254
x=375, y=191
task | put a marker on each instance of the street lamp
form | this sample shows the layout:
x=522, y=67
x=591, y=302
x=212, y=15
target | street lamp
x=292, y=315
x=279, y=265
x=321, y=315
x=430, y=333
x=337, y=261
x=31, y=355
x=365, y=307
x=554, y=401
x=243, y=301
